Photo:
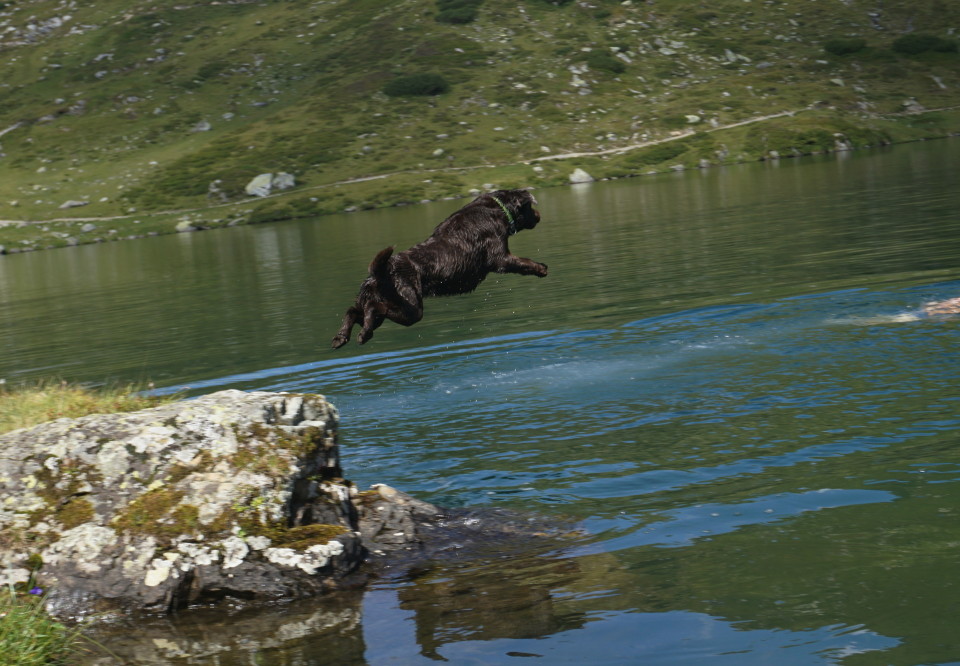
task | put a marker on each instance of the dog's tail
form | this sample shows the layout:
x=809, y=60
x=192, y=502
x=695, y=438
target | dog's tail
x=378, y=267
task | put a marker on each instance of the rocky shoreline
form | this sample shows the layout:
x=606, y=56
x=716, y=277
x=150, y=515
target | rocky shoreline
x=232, y=498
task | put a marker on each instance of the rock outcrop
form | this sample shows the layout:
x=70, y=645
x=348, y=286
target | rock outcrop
x=233, y=495
x=265, y=183
x=580, y=176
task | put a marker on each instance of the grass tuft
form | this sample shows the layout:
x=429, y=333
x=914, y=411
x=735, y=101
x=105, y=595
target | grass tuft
x=29, y=405
x=28, y=635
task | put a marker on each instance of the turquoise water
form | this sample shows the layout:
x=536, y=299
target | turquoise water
x=725, y=380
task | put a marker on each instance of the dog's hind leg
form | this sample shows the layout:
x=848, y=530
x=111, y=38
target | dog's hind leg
x=371, y=321
x=343, y=335
x=411, y=307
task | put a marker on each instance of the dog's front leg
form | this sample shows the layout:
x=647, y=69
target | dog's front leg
x=514, y=264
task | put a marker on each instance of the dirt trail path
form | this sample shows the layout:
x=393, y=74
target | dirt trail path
x=559, y=156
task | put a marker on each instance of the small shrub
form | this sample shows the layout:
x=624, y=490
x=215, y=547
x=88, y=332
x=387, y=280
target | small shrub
x=605, y=62
x=416, y=85
x=790, y=140
x=457, y=11
x=211, y=69
x=658, y=153
x=271, y=212
x=916, y=43
x=841, y=46
x=457, y=16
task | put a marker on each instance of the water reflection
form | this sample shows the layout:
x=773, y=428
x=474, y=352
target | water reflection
x=445, y=611
x=438, y=604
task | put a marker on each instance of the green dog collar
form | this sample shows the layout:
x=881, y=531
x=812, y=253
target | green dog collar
x=513, y=224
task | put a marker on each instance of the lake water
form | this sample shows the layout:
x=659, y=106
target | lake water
x=722, y=381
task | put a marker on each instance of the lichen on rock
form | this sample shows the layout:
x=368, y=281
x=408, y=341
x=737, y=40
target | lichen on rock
x=230, y=495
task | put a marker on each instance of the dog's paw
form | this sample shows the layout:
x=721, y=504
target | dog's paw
x=338, y=341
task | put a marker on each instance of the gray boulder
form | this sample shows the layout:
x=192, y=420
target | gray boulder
x=232, y=495
x=260, y=185
x=283, y=181
x=73, y=203
x=580, y=176
x=266, y=183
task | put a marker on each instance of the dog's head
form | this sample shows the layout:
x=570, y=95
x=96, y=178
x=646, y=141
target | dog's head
x=521, y=204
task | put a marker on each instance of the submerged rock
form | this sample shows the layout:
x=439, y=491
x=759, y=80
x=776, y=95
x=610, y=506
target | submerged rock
x=233, y=495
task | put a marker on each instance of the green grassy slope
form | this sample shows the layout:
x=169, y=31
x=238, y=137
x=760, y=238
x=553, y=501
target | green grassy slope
x=136, y=107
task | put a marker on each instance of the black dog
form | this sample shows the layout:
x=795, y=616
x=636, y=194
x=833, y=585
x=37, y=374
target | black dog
x=456, y=258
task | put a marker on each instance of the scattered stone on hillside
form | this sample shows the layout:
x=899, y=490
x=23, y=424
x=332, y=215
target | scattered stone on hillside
x=580, y=176
x=693, y=118
x=913, y=106
x=840, y=143
x=214, y=192
x=202, y=126
x=74, y=203
x=184, y=226
x=88, y=227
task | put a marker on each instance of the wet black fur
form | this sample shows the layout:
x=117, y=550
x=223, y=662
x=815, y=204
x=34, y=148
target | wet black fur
x=460, y=253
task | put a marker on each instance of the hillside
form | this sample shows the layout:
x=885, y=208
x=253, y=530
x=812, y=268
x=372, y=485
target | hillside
x=134, y=109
